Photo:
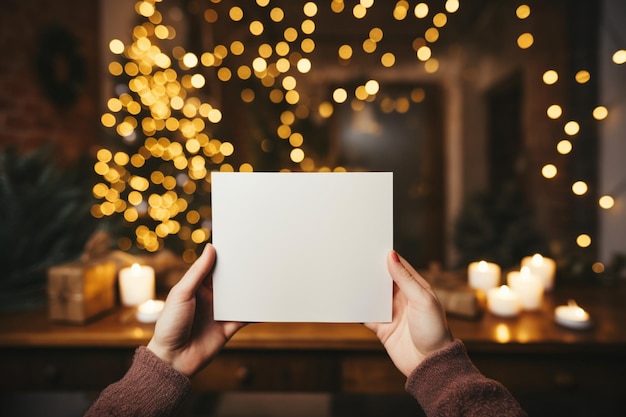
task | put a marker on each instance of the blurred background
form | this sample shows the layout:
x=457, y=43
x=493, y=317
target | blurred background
x=502, y=121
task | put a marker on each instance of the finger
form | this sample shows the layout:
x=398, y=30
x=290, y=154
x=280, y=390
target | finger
x=406, y=277
x=195, y=275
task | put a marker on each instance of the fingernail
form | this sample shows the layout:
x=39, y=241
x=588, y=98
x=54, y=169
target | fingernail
x=394, y=256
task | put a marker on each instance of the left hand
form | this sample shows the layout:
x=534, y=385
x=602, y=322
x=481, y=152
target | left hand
x=186, y=336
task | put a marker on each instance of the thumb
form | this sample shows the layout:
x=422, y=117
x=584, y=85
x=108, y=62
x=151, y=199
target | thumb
x=407, y=279
x=189, y=283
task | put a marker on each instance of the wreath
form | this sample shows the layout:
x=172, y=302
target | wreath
x=60, y=67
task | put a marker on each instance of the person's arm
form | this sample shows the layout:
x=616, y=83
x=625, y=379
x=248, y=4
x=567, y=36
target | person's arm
x=439, y=373
x=186, y=338
x=447, y=383
x=151, y=387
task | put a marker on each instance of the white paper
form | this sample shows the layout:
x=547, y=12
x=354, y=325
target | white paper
x=302, y=247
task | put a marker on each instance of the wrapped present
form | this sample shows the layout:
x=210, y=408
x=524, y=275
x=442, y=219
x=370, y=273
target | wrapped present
x=453, y=292
x=81, y=290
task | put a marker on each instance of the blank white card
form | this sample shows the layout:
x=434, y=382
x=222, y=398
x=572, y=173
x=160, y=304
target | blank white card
x=302, y=247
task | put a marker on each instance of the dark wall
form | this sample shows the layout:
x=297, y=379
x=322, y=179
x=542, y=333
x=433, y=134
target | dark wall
x=60, y=40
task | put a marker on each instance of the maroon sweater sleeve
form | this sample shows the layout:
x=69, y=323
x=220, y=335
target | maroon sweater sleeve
x=150, y=388
x=446, y=383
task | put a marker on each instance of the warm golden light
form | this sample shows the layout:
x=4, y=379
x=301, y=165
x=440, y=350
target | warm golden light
x=116, y=46
x=304, y=65
x=340, y=95
x=579, y=187
x=310, y=9
x=401, y=10
x=369, y=46
x=452, y=6
x=307, y=45
x=290, y=34
x=619, y=57
x=376, y=34
x=600, y=113
x=297, y=155
x=424, y=53
x=421, y=10
x=431, y=66
x=525, y=40
x=418, y=95
x=583, y=240
x=597, y=267
x=277, y=14
x=166, y=111
x=296, y=140
x=372, y=87
x=440, y=20
x=550, y=77
x=564, y=147
x=606, y=202
x=582, y=76
x=571, y=128
x=345, y=52
x=554, y=111
x=359, y=12
x=431, y=35
x=549, y=171
x=307, y=26
x=523, y=11
x=256, y=28
x=337, y=6
x=502, y=333
x=388, y=59
x=325, y=110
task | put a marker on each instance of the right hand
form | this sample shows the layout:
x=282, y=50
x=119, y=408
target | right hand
x=418, y=327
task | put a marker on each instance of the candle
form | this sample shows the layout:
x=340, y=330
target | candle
x=543, y=267
x=572, y=316
x=527, y=286
x=502, y=301
x=136, y=284
x=149, y=311
x=483, y=275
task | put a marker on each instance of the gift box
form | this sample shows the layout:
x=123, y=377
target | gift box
x=451, y=288
x=81, y=290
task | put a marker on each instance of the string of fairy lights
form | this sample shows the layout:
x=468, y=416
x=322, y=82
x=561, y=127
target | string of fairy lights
x=571, y=128
x=158, y=178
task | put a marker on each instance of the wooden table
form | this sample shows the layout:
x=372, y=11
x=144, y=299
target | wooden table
x=527, y=353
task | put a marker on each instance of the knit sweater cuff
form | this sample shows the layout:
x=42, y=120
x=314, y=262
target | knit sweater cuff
x=150, y=387
x=448, y=383
x=160, y=378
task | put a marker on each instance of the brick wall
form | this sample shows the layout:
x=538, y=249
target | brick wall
x=28, y=117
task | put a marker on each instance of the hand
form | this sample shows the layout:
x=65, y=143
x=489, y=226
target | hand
x=418, y=325
x=186, y=336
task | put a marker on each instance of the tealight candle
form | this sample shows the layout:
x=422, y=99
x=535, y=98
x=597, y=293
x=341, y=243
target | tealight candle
x=136, y=284
x=543, y=267
x=572, y=316
x=483, y=275
x=149, y=311
x=502, y=301
x=528, y=287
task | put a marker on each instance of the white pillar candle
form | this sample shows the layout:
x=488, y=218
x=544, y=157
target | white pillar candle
x=543, y=267
x=136, y=284
x=483, y=275
x=502, y=301
x=527, y=286
x=572, y=316
x=149, y=311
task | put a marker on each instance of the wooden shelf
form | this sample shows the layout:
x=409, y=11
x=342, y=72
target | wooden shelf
x=527, y=352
